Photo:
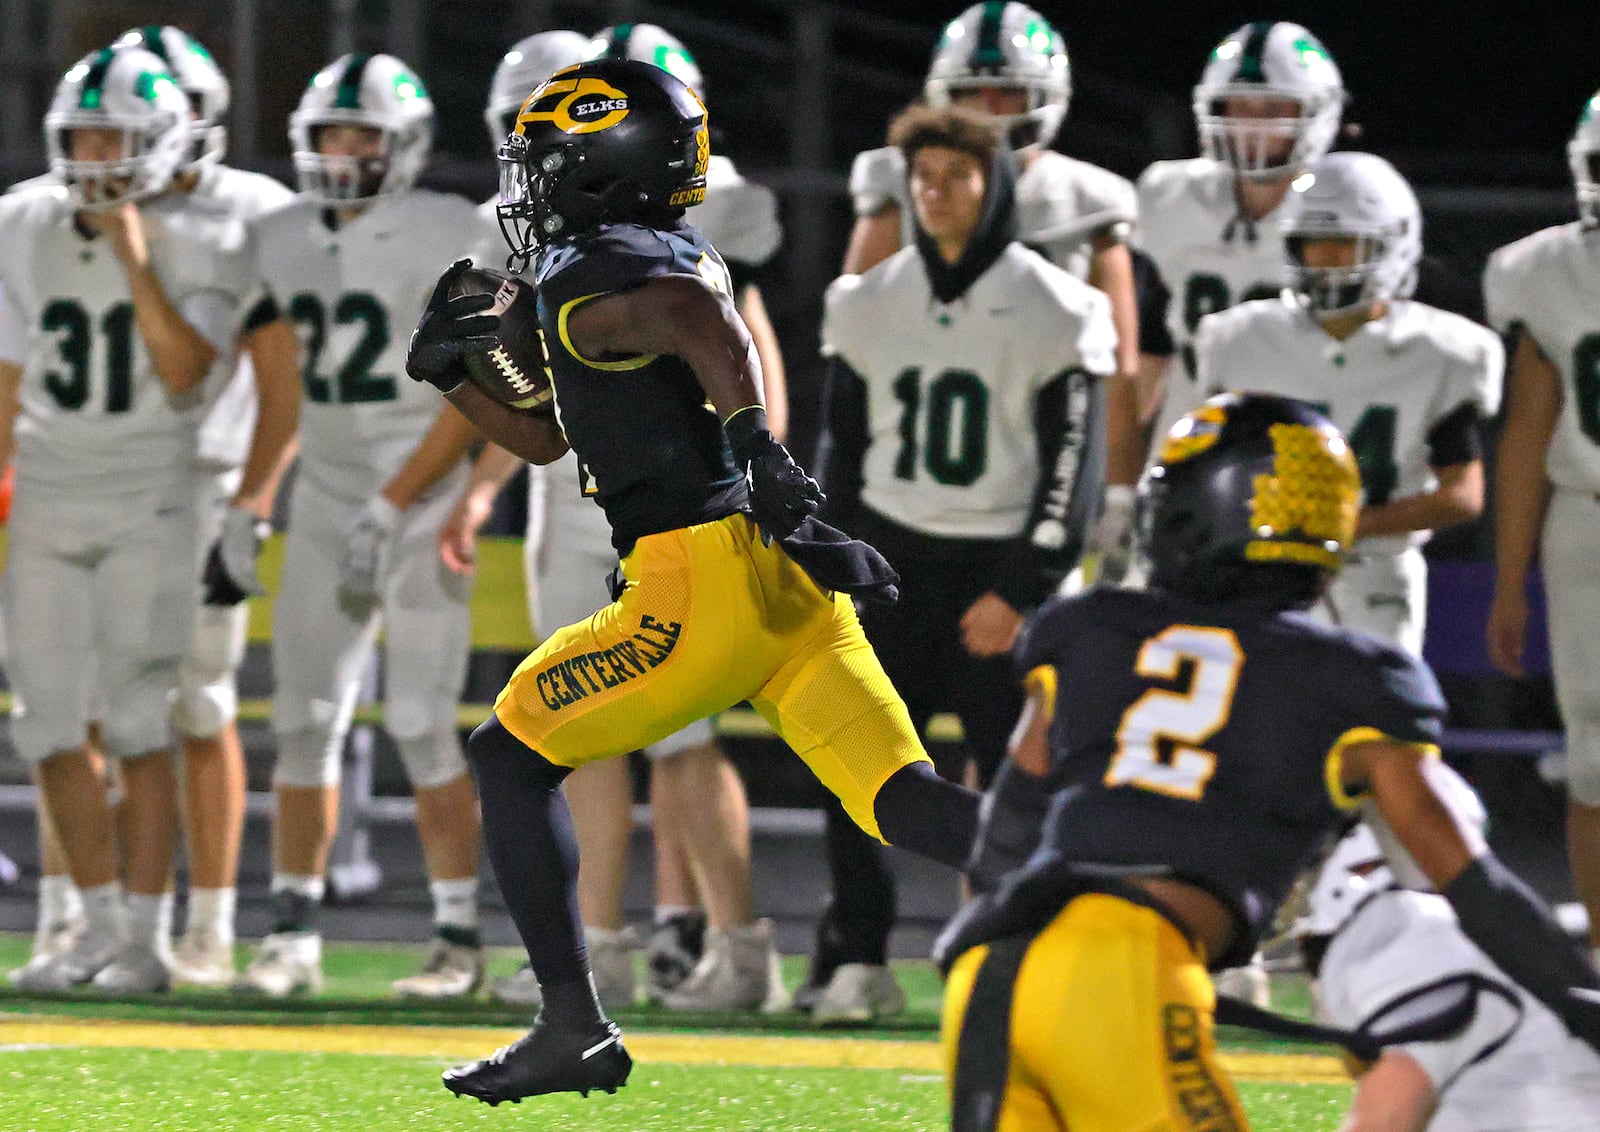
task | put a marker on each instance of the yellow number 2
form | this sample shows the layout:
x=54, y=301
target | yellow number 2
x=1160, y=740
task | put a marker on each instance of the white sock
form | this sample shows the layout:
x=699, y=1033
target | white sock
x=150, y=920
x=211, y=912
x=59, y=903
x=312, y=888
x=103, y=913
x=455, y=903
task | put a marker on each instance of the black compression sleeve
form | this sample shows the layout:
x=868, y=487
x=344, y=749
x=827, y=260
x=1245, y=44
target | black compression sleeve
x=265, y=311
x=1457, y=437
x=1153, y=299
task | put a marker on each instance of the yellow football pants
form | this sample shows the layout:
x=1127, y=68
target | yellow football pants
x=711, y=617
x=1111, y=1028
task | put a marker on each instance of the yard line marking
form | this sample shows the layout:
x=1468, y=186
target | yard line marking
x=645, y=1046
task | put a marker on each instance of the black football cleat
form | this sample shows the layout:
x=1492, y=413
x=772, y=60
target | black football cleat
x=549, y=1059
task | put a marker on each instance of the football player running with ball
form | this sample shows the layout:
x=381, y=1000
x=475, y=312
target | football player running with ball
x=123, y=305
x=1206, y=736
x=1268, y=103
x=730, y=589
x=1544, y=290
x=349, y=264
x=966, y=429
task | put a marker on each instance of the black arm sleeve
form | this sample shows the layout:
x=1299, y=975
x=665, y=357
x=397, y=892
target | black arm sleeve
x=265, y=311
x=1457, y=438
x=1508, y=921
x=1070, y=424
x=1150, y=292
x=844, y=442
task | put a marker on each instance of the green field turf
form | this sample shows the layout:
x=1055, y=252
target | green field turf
x=77, y=1063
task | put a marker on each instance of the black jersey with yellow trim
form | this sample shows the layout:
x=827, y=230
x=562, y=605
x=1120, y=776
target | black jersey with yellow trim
x=1202, y=741
x=652, y=450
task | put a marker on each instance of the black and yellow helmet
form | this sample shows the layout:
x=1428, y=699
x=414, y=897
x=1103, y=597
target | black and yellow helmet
x=1251, y=496
x=605, y=142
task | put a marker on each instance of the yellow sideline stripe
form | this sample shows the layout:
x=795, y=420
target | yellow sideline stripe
x=677, y=1049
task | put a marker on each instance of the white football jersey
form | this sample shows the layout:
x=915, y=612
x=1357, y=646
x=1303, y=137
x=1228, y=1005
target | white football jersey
x=1386, y=386
x=1061, y=202
x=94, y=416
x=354, y=294
x=1209, y=259
x=231, y=406
x=1533, y=1075
x=952, y=387
x=739, y=217
x=1549, y=282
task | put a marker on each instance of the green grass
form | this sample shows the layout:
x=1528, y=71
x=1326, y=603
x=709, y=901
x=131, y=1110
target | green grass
x=86, y=1090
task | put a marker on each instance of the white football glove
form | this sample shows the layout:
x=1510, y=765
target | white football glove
x=1112, y=536
x=366, y=546
x=230, y=570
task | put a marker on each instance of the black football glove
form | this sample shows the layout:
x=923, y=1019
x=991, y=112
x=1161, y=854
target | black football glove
x=449, y=330
x=782, y=496
x=230, y=571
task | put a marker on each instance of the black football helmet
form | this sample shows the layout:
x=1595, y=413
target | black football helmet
x=608, y=141
x=1251, y=497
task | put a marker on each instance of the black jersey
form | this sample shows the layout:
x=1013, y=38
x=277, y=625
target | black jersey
x=650, y=446
x=1201, y=741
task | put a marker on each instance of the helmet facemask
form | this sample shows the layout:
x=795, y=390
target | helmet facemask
x=1584, y=159
x=526, y=211
x=1030, y=129
x=145, y=169
x=342, y=180
x=1264, y=148
x=1329, y=292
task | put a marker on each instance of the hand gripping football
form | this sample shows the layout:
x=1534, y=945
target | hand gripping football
x=513, y=371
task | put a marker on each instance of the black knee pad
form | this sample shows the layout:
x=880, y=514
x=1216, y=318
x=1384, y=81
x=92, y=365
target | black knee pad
x=500, y=759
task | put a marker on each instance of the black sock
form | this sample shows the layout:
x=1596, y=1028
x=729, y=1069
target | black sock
x=930, y=816
x=855, y=928
x=528, y=829
x=460, y=937
x=294, y=912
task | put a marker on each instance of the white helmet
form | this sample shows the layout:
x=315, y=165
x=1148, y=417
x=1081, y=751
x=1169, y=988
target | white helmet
x=376, y=91
x=1269, y=59
x=1583, y=154
x=1360, y=196
x=201, y=79
x=129, y=90
x=1007, y=45
x=649, y=43
x=1353, y=871
x=526, y=66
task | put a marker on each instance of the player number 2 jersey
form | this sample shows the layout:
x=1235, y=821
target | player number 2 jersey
x=952, y=389
x=1203, y=742
x=354, y=294
x=1549, y=284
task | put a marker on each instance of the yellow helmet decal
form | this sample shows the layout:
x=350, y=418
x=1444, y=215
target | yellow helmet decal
x=1193, y=434
x=574, y=106
x=1313, y=491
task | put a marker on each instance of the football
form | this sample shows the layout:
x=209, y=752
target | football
x=513, y=371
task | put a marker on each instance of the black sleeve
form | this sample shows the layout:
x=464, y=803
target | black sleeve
x=1047, y=634
x=264, y=312
x=743, y=274
x=844, y=442
x=1150, y=292
x=1390, y=691
x=1457, y=438
x=1070, y=426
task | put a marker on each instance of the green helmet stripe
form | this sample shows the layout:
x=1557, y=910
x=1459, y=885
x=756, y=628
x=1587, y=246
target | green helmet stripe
x=349, y=96
x=617, y=42
x=1250, y=59
x=95, y=81
x=986, y=50
x=153, y=43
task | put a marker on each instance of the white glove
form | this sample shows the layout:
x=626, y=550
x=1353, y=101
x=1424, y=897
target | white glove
x=365, y=554
x=230, y=570
x=1112, y=536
